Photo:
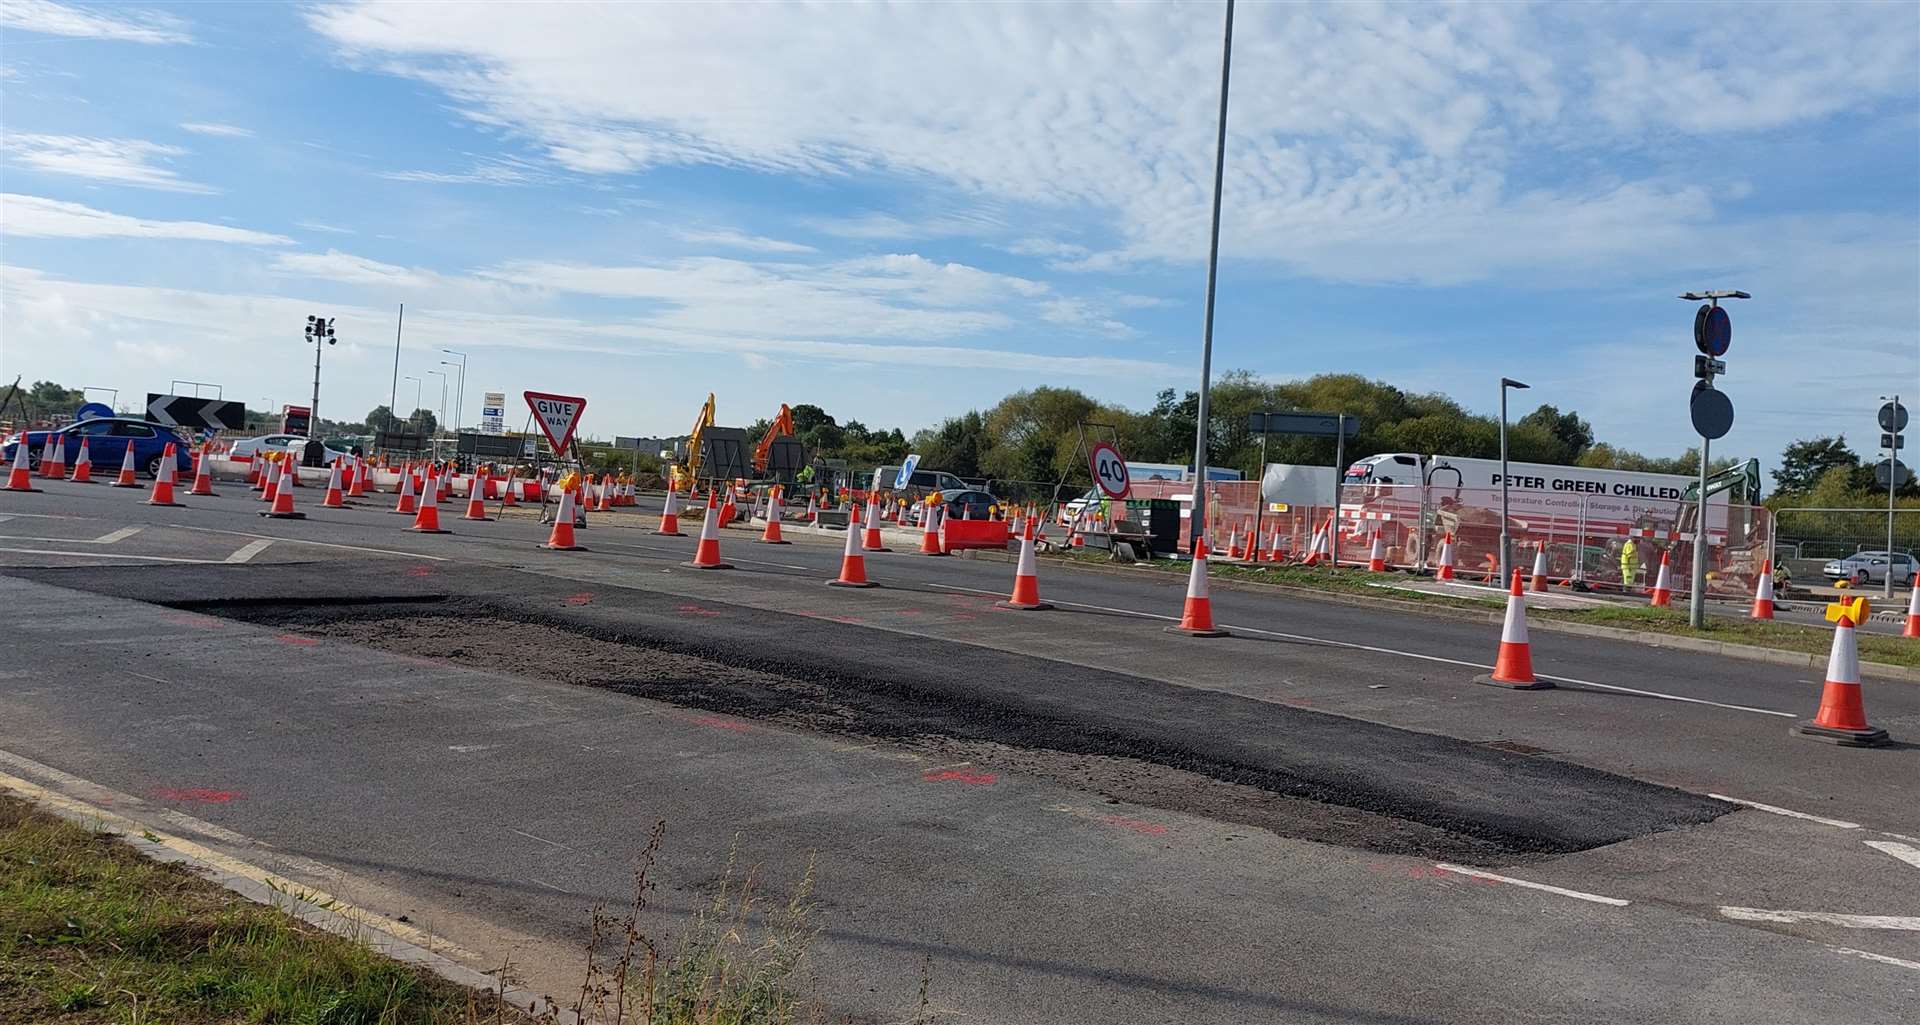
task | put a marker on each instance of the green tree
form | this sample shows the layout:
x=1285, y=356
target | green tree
x=1574, y=434
x=1806, y=463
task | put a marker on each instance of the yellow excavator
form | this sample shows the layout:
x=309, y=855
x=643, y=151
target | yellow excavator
x=683, y=476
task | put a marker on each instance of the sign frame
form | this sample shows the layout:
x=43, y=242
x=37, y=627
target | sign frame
x=1312, y=425
x=534, y=398
x=1101, y=482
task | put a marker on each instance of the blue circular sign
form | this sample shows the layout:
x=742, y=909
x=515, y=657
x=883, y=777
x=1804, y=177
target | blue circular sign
x=1713, y=331
x=93, y=411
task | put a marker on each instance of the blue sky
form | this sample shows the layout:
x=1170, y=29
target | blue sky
x=901, y=212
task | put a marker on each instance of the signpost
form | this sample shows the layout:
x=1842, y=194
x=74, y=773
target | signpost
x=1893, y=420
x=493, y=412
x=197, y=413
x=1109, y=471
x=906, y=471
x=1712, y=414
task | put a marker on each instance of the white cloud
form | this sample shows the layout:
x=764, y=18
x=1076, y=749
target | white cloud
x=121, y=161
x=38, y=217
x=740, y=240
x=1354, y=126
x=334, y=265
x=53, y=19
x=487, y=171
x=216, y=128
x=328, y=228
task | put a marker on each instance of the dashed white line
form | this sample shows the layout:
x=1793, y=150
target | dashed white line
x=105, y=539
x=249, y=550
x=320, y=544
x=1910, y=855
x=1788, y=812
x=1543, y=887
x=111, y=555
x=1418, y=656
x=542, y=839
x=1898, y=923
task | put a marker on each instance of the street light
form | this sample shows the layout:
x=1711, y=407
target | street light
x=1197, y=522
x=441, y=424
x=460, y=391
x=319, y=329
x=1506, y=541
x=416, y=395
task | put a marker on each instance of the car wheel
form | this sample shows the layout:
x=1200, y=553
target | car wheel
x=153, y=467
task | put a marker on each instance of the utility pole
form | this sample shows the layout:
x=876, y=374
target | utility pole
x=393, y=396
x=1197, y=522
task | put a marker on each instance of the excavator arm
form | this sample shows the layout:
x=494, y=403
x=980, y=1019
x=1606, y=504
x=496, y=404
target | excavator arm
x=700, y=425
x=782, y=427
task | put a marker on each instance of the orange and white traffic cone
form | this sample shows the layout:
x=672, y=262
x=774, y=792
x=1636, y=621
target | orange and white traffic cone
x=1913, y=613
x=706, y=554
x=1763, y=593
x=1538, y=584
x=46, y=457
x=1513, y=668
x=1313, y=549
x=1663, y=585
x=163, y=481
x=20, y=478
x=1026, y=581
x=930, y=531
x=406, y=505
x=1445, y=572
x=728, y=510
x=357, y=486
x=1842, y=718
x=58, y=471
x=853, y=565
x=670, y=516
x=282, y=507
x=1196, y=618
x=872, y=541
x=561, y=538
x=126, y=478
x=203, y=474
x=477, y=498
x=427, y=519
x=83, y=465
x=270, y=482
x=333, y=499
x=507, y=490
x=771, y=536
x=1233, y=543
x=813, y=510
x=1377, y=555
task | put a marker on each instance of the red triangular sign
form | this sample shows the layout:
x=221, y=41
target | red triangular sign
x=557, y=416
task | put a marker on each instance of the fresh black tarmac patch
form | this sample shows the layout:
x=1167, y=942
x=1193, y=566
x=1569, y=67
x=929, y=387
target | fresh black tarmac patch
x=1299, y=772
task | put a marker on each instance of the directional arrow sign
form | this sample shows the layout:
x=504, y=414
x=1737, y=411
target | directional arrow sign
x=557, y=415
x=196, y=413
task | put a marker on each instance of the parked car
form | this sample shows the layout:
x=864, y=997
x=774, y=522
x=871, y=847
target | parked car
x=928, y=480
x=1862, y=568
x=248, y=448
x=967, y=503
x=107, y=440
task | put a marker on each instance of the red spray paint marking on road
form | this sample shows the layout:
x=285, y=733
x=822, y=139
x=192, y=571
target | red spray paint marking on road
x=203, y=795
x=422, y=570
x=722, y=724
x=580, y=599
x=1136, y=825
x=189, y=619
x=967, y=776
x=295, y=639
x=697, y=610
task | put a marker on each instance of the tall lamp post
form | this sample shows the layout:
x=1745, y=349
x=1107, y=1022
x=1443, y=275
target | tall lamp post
x=1197, y=522
x=460, y=390
x=320, y=333
x=1506, y=539
x=441, y=425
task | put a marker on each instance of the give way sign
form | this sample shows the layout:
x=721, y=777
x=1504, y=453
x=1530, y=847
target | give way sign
x=558, y=415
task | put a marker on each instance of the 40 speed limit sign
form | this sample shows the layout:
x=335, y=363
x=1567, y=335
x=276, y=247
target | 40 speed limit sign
x=1109, y=471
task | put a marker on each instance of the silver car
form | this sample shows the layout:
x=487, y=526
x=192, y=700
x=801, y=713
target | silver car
x=1872, y=568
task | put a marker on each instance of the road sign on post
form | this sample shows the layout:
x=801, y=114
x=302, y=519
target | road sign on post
x=1712, y=414
x=906, y=471
x=197, y=413
x=1110, y=471
x=1893, y=417
x=557, y=416
x=1313, y=425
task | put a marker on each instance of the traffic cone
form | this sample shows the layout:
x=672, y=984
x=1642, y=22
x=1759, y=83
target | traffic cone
x=46, y=457
x=1513, y=668
x=271, y=482
x=406, y=506
x=670, y=516
x=477, y=498
x=83, y=465
x=771, y=536
x=507, y=499
x=561, y=539
x=282, y=507
x=1763, y=595
x=728, y=511
x=20, y=478
x=1233, y=543
x=126, y=479
x=1377, y=555
x=872, y=542
x=427, y=519
x=853, y=565
x=1663, y=585
x=333, y=498
x=357, y=484
x=163, y=481
x=1313, y=549
x=1273, y=546
x=59, y=469
x=1842, y=718
x=1539, y=582
x=1913, y=613
x=813, y=510
x=1445, y=572
x=202, y=474
x=1026, y=582
x=707, y=554
x=930, y=532
x=1196, y=620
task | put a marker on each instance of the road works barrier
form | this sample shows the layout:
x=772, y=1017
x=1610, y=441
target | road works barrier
x=958, y=535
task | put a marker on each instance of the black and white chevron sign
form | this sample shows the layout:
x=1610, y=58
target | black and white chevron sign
x=197, y=413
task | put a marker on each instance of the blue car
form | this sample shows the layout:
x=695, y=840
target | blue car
x=107, y=440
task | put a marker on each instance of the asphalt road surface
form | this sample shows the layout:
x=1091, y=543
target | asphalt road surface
x=1061, y=816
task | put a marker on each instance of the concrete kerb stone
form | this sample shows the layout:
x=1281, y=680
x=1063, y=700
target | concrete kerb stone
x=1751, y=653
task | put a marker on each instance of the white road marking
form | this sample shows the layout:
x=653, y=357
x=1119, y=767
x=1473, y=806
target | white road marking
x=113, y=555
x=249, y=550
x=1910, y=855
x=1403, y=654
x=1901, y=923
x=322, y=544
x=1788, y=812
x=1882, y=958
x=542, y=839
x=1562, y=891
x=119, y=535
x=105, y=539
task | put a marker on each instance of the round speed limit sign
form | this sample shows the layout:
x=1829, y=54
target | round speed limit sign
x=1110, y=471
